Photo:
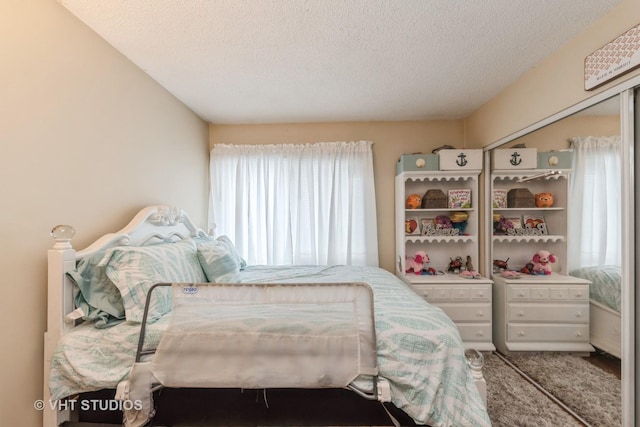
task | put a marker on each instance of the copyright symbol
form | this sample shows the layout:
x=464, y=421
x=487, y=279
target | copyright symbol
x=39, y=405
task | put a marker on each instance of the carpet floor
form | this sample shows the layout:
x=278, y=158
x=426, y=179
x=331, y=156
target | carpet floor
x=515, y=402
x=588, y=390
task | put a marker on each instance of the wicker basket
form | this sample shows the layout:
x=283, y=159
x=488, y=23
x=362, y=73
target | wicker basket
x=434, y=199
x=520, y=198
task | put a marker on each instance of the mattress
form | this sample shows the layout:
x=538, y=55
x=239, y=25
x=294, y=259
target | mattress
x=419, y=349
x=605, y=284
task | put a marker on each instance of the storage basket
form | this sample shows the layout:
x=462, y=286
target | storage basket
x=520, y=198
x=434, y=199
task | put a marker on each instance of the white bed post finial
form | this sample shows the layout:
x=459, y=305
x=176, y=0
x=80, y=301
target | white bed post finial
x=475, y=360
x=63, y=234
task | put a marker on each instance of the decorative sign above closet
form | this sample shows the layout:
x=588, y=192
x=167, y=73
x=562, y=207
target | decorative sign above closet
x=613, y=59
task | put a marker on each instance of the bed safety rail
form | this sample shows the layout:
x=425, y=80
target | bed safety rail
x=257, y=336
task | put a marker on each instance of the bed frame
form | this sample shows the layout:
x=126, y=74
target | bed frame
x=151, y=225
x=605, y=329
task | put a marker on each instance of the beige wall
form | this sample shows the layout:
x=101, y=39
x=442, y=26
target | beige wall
x=553, y=85
x=391, y=139
x=87, y=139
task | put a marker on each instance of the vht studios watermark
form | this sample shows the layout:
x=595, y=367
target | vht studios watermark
x=88, y=405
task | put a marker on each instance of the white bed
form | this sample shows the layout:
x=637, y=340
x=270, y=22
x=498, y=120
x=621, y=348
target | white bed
x=419, y=351
x=605, y=295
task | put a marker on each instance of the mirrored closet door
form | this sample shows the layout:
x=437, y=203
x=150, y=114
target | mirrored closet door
x=556, y=249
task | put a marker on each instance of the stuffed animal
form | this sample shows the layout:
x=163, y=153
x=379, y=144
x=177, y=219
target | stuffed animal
x=544, y=200
x=542, y=261
x=414, y=201
x=417, y=263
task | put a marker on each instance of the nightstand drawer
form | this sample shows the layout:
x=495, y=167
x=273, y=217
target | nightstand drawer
x=438, y=293
x=579, y=293
x=474, y=332
x=548, y=292
x=550, y=333
x=518, y=293
x=480, y=293
x=467, y=312
x=537, y=293
x=542, y=313
x=433, y=293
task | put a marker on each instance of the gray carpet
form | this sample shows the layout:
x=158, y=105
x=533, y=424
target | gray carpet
x=514, y=402
x=587, y=389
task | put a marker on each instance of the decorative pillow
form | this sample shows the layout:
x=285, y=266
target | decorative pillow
x=133, y=270
x=95, y=293
x=219, y=259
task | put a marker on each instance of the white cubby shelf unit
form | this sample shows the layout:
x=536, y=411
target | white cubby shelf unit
x=440, y=248
x=519, y=249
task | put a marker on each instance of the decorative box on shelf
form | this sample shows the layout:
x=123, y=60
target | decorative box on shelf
x=417, y=162
x=555, y=159
x=462, y=160
x=515, y=158
x=520, y=198
x=434, y=199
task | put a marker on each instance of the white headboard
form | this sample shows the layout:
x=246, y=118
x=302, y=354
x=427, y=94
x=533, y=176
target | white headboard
x=153, y=224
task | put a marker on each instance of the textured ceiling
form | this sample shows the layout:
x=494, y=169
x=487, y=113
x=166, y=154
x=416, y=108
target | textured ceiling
x=285, y=61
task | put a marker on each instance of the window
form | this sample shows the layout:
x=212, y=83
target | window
x=595, y=202
x=300, y=204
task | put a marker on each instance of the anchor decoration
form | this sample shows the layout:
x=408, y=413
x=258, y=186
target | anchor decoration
x=462, y=160
x=515, y=159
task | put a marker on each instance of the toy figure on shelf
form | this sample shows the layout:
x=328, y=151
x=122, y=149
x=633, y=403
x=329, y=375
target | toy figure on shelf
x=469, y=264
x=455, y=266
x=500, y=265
x=416, y=264
x=470, y=272
x=542, y=261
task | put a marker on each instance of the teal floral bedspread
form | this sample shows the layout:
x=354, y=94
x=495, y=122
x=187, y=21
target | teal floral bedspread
x=605, y=284
x=419, y=349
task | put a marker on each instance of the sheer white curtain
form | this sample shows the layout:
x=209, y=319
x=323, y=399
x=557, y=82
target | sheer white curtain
x=595, y=201
x=296, y=203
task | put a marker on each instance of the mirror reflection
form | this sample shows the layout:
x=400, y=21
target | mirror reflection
x=540, y=320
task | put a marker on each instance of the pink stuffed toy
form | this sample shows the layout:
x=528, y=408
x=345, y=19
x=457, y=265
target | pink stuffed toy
x=416, y=264
x=542, y=261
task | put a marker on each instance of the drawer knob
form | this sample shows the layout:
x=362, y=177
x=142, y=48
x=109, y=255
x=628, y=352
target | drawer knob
x=521, y=294
x=480, y=313
x=480, y=334
x=578, y=314
x=520, y=314
x=578, y=334
x=520, y=333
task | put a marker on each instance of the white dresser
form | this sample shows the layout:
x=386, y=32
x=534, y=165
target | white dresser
x=468, y=303
x=541, y=313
